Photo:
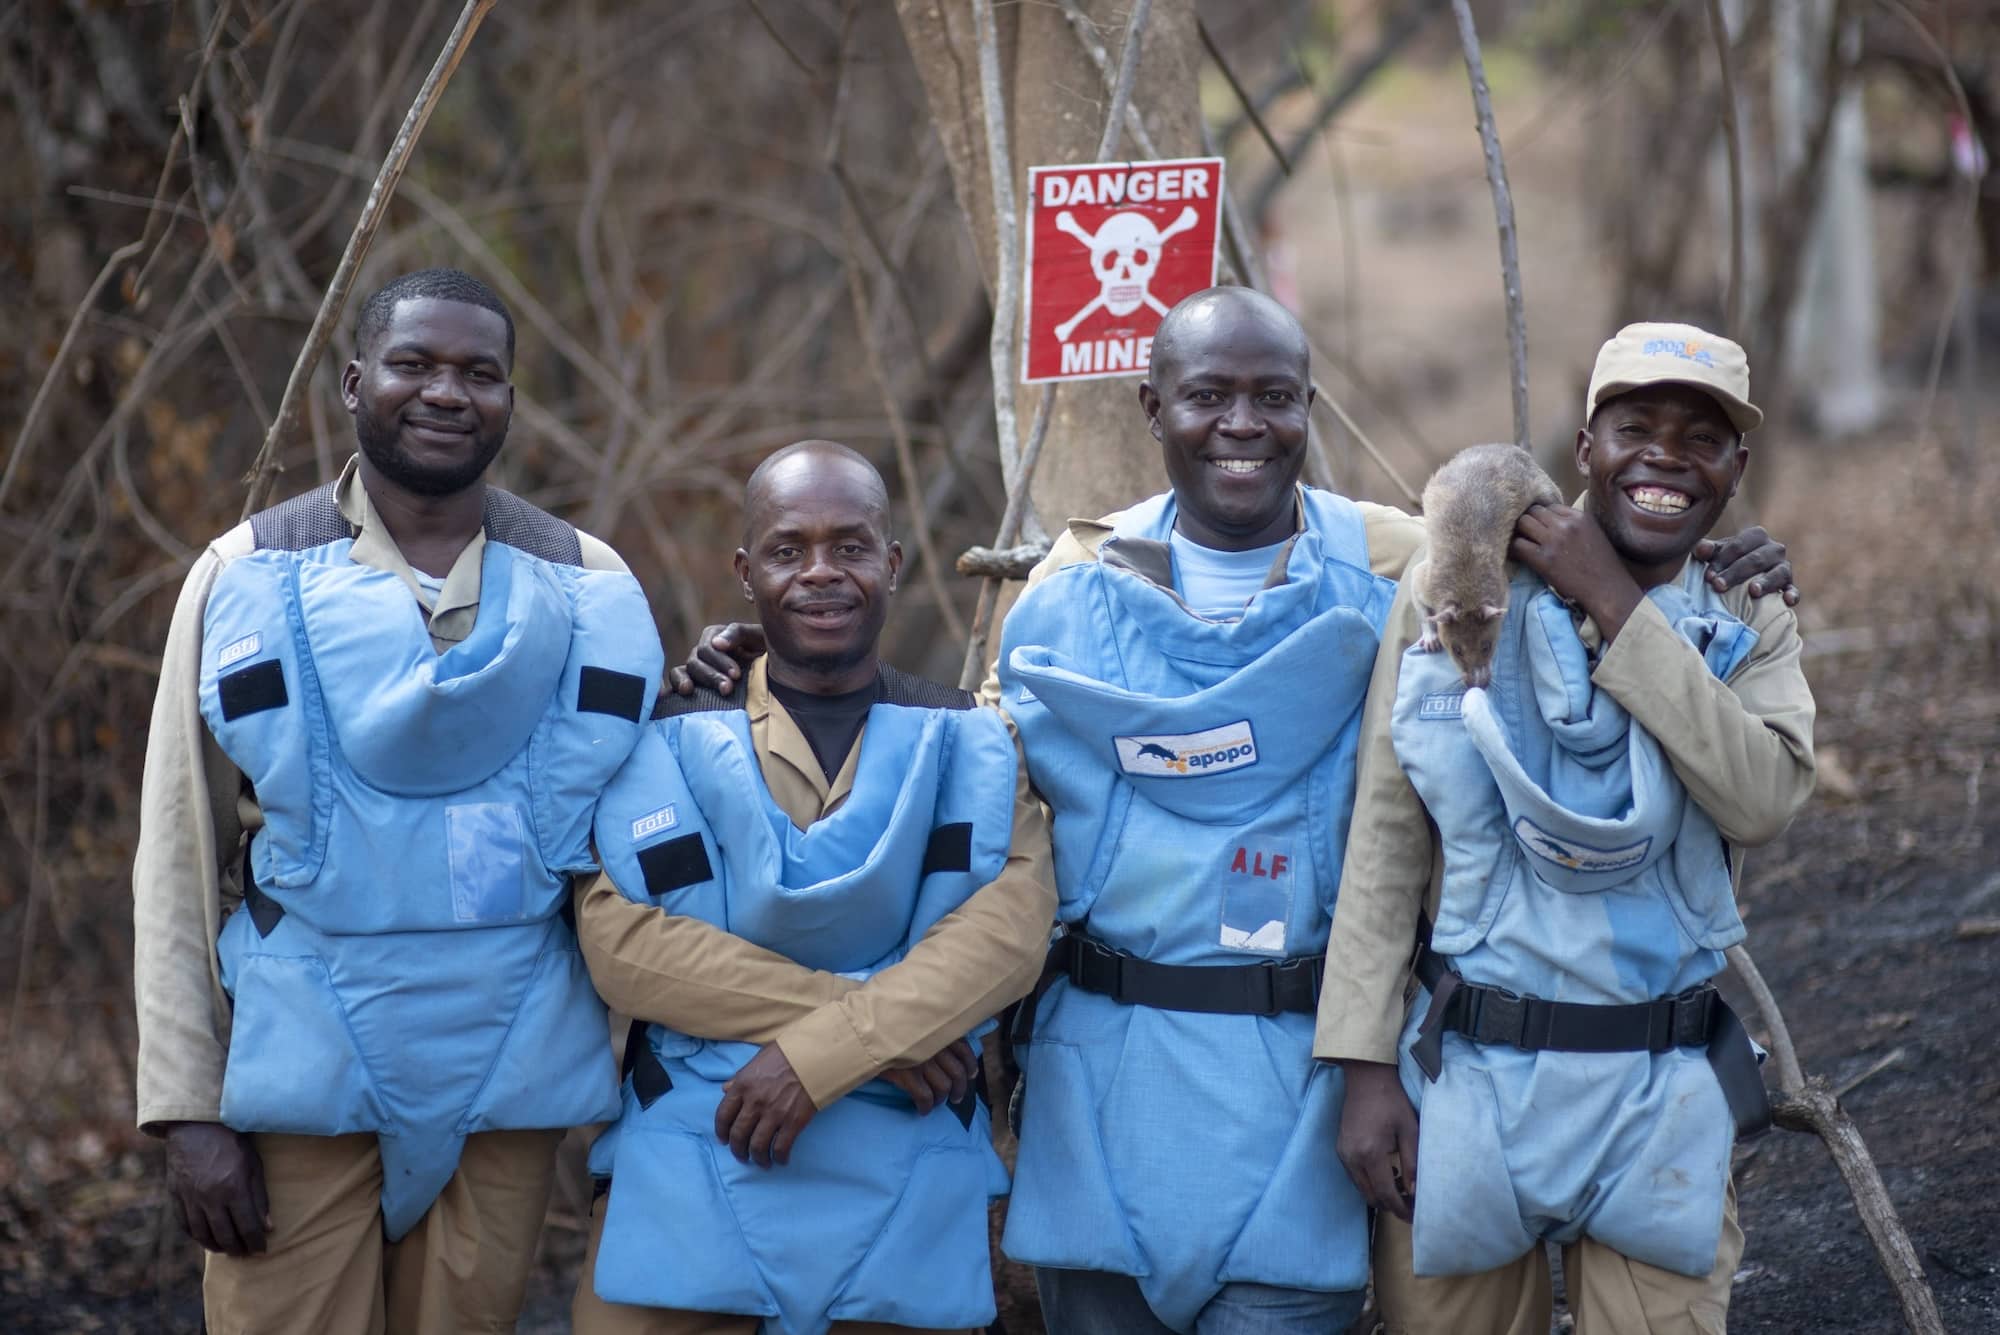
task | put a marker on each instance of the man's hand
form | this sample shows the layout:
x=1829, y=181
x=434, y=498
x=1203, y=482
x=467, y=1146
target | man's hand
x=216, y=1183
x=945, y=1078
x=1752, y=555
x=763, y=1109
x=1378, y=1136
x=719, y=658
x=1569, y=550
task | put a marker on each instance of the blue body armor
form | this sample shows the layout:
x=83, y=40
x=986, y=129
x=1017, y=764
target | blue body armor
x=402, y=965
x=1576, y=869
x=881, y=1213
x=1200, y=774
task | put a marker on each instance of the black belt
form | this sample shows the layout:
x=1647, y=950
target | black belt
x=1698, y=1017
x=1270, y=987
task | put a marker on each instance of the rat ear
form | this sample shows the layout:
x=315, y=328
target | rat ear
x=1447, y=614
x=1488, y=612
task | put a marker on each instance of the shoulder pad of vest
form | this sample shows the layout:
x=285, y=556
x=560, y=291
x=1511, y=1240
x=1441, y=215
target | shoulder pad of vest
x=313, y=519
x=704, y=700
x=901, y=688
x=513, y=521
x=310, y=519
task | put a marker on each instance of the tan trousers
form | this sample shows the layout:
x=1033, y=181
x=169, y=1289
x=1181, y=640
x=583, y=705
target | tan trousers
x=329, y=1271
x=591, y=1315
x=1609, y=1294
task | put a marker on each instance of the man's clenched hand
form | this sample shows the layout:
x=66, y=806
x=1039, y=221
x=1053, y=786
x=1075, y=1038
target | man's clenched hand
x=945, y=1078
x=763, y=1109
x=216, y=1182
x=1378, y=1136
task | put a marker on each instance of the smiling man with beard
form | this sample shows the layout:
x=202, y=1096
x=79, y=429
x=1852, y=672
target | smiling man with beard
x=810, y=901
x=1572, y=832
x=386, y=707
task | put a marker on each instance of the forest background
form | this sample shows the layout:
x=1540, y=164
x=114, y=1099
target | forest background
x=725, y=225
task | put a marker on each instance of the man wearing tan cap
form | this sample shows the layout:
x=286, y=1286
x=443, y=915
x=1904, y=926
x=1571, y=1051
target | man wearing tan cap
x=1563, y=846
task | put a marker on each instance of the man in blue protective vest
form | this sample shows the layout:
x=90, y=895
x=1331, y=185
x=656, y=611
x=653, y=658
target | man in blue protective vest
x=1187, y=678
x=1573, y=831
x=810, y=900
x=386, y=707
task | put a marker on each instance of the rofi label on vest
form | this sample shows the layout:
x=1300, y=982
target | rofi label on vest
x=238, y=650
x=1188, y=755
x=655, y=821
x=1442, y=705
x=1111, y=247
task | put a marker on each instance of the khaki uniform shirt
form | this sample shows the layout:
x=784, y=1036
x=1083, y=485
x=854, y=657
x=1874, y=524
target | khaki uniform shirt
x=195, y=810
x=1743, y=748
x=837, y=1033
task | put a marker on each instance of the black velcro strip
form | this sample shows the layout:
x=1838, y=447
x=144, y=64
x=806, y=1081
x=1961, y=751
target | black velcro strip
x=253, y=689
x=950, y=848
x=674, y=865
x=602, y=691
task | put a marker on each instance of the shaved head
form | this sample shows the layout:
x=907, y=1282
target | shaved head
x=802, y=463
x=1205, y=324
x=819, y=564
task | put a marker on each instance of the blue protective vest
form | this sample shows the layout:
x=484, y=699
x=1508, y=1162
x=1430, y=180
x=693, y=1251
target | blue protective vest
x=1200, y=775
x=881, y=1213
x=1577, y=869
x=401, y=966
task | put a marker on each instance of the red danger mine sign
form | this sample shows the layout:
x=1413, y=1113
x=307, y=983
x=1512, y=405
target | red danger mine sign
x=1111, y=247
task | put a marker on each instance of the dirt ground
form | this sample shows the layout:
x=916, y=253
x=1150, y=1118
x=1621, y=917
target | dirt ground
x=1873, y=917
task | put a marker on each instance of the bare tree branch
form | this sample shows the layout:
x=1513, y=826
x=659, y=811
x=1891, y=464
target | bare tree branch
x=1243, y=98
x=1809, y=1103
x=1007, y=243
x=1011, y=521
x=1732, y=136
x=263, y=469
x=1503, y=214
x=1969, y=264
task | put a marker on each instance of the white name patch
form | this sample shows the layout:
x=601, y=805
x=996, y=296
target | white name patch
x=1188, y=755
x=237, y=651
x=655, y=821
x=1578, y=857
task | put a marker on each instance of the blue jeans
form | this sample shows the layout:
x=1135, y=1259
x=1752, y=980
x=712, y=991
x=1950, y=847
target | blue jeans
x=1091, y=1302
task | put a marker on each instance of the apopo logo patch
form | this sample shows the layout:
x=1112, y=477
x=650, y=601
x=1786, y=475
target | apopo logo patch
x=1188, y=755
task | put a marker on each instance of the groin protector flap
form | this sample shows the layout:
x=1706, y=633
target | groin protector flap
x=1247, y=738
x=417, y=722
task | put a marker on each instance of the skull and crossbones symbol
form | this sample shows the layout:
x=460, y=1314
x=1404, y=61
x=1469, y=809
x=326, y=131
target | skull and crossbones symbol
x=1124, y=252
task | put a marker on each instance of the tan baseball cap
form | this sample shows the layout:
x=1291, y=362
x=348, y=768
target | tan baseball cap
x=1652, y=354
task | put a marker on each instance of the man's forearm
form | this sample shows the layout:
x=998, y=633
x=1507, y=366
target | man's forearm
x=187, y=828
x=690, y=975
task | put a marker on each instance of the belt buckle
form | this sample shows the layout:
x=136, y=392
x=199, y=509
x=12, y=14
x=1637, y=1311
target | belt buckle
x=1267, y=975
x=1693, y=1017
x=1509, y=1016
x=1078, y=954
x=1283, y=972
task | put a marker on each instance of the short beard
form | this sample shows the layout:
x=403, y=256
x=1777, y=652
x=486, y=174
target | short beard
x=381, y=443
